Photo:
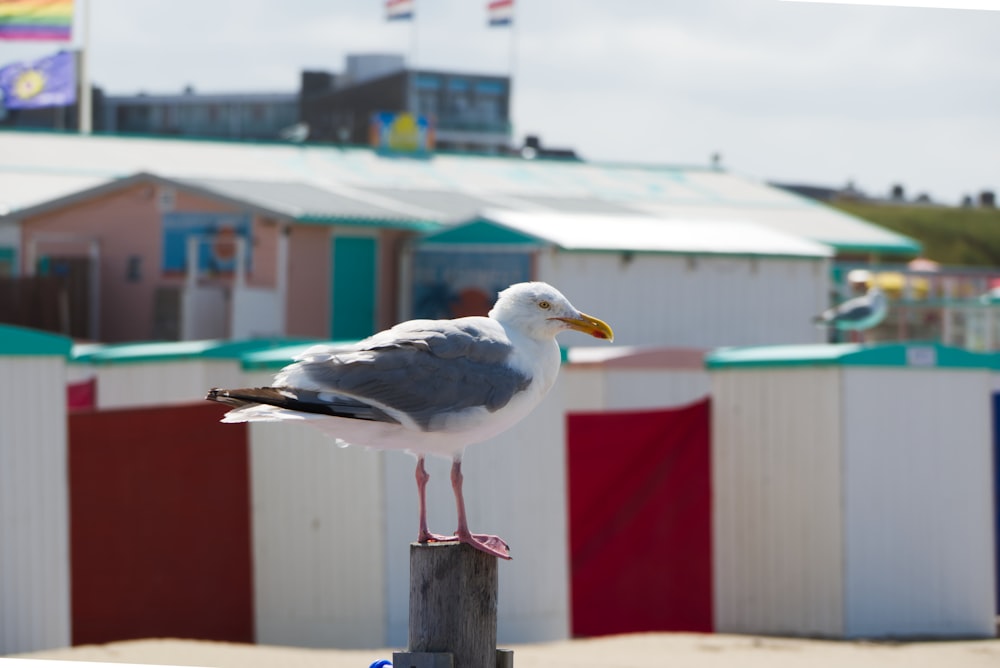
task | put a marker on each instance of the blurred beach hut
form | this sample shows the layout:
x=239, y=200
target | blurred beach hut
x=661, y=281
x=852, y=491
x=34, y=508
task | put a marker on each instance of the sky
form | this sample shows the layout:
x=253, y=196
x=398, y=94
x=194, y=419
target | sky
x=798, y=92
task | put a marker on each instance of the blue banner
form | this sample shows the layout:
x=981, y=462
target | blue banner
x=453, y=284
x=49, y=82
x=216, y=233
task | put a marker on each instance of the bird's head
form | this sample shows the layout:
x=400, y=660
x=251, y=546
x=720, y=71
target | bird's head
x=541, y=311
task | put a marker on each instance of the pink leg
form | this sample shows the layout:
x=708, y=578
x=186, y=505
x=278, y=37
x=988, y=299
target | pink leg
x=487, y=543
x=425, y=536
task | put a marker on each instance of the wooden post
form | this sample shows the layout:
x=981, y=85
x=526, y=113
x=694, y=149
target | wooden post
x=453, y=609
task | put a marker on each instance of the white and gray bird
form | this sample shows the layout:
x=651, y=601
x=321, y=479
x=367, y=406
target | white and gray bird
x=428, y=387
x=296, y=133
x=857, y=314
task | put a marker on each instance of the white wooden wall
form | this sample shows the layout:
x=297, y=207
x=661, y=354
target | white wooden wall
x=853, y=502
x=34, y=505
x=777, y=538
x=159, y=382
x=704, y=301
x=918, y=503
x=318, y=539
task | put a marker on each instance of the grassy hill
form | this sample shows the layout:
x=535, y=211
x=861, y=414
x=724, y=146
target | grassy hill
x=951, y=236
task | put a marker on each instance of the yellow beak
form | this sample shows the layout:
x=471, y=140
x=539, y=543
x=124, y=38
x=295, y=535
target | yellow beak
x=588, y=324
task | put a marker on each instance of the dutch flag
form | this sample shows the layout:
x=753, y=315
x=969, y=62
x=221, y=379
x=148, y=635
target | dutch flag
x=398, y=10
x=500, y=12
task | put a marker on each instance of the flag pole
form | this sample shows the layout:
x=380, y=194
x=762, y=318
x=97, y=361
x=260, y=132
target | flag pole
x=511, y=67
x=85, y=107
x=412, y=66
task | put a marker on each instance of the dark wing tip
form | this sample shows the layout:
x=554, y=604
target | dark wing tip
x=221, y=396
x=238, y=398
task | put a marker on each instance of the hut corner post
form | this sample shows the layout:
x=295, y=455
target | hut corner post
x=453, y=609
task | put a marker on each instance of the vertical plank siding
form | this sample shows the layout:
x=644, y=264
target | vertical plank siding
x=34, y=518
x=853, y=501
x=155, y=383
x=704, y=301
x=776, y=480
x=318, y=541
x=918, y=503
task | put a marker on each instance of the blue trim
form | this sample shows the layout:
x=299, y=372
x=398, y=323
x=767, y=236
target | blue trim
x=996, y=493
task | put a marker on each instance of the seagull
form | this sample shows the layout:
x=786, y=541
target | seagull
x=428, y=387
x=296, y=133
x=857, y=314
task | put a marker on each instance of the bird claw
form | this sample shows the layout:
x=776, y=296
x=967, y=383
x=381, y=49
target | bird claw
x=488, y=543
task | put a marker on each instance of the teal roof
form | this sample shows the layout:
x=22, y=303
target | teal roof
x=170, y=351
x=914, y=354
x=625, y=233
x=24, y=342
x=482, y=231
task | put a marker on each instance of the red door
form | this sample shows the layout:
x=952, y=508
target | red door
x=160, y=525
x=640, y=521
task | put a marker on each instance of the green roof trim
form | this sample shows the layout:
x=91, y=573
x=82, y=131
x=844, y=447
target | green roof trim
x=481, y=231
x=172, y=351
x=914, y=354
x=24, y=342
x=905, y=246
x=276, y=358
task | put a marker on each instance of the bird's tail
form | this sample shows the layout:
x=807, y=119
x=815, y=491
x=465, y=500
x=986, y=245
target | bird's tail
x=247, y=396
x=294, y=400
x=245, y=401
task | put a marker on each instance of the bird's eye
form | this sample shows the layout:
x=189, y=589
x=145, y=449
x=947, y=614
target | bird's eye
x=544, y=304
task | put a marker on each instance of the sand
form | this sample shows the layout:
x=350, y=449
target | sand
x=673, y=650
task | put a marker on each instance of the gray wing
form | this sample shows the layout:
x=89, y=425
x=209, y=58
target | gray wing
x=852, y=310
x=423, y=368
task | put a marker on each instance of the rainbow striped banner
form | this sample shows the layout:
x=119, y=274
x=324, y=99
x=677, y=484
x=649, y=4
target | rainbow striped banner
x=42, y=20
